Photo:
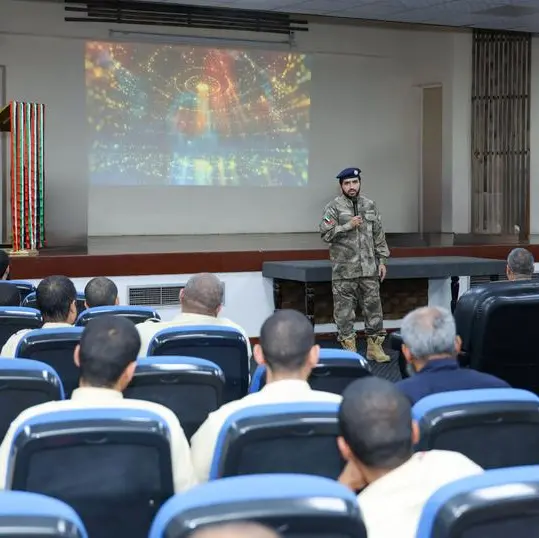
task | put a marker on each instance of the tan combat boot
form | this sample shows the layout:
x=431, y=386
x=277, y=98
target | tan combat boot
x=375, y=351
x=349, y=344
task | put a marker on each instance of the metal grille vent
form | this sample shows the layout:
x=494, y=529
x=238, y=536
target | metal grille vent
x=166, y=295
x=479, y=280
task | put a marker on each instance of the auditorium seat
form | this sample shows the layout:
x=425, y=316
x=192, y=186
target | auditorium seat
x=192, y=388
x=498, y=326
x=137, y=314
x=335, y=370
x=30, y=515
x=23, y=384
x=31, y=301
x=56, y=348
x=14, y=319
x=496, y=504
x=279, y=438
x=24, y=287
x=224, y=346
x=113, y=466
x=494, y=427
x=298, y=506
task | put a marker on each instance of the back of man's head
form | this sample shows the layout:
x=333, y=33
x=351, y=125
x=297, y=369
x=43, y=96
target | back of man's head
x=287, y=343
x=9, y=294
x=520, y=264
x=108, y=352
x=55, y=297
x=100, y=291
x=4, y=265
x=203, y=294
x=235, y=530
x=428, y=332
x=375, y=421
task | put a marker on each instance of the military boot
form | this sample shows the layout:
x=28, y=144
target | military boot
x=375, y=352
x=349, y=344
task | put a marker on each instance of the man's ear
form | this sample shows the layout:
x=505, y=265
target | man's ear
x=415, y=433
x=344, y=449
x=218, y=311
x=182, y=292
x=258, y=355
x=458, y=344
x=313, y=357
x=76, y=356
x=117, y=302
x=129, y=372
x=407, y=354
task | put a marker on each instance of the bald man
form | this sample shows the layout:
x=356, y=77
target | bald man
x=201, y=302
x=288, y=350
x=235, y=530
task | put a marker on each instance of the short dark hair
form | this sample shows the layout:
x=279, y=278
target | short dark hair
x=4, y=262
x=108, y=345
x=375, y=419
x=286, y=338
x=100, y=291
x=54, y=296
x=521, y=262
x=9, y=294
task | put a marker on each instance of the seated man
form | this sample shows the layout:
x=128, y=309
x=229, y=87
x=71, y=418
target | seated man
x=9, y=294
x=5, y=268
x=520, y=264
x=56, y=299
x=201, y=302
x=377, y=439
x=287, y=348
x=106, y=357
x=249, y=529
x=100, y=291
x=430, y=346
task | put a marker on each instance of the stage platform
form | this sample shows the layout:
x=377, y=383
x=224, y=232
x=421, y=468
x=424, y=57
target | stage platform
x=159, y=255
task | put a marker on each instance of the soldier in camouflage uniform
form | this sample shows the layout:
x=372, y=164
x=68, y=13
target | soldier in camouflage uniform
x=358, y=251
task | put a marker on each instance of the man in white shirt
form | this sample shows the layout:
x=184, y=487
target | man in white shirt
x=107, y=357
x=287, y=348
x=377, y=441
x=101, y=291
x=56, y=300
x=201, y=302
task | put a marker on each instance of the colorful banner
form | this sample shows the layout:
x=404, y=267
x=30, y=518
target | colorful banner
x=27, y=176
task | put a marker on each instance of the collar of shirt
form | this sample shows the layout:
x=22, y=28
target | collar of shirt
x=183, y=316
x=437, y=365
x=54, y=324
x=96, y=393
x=286, y=385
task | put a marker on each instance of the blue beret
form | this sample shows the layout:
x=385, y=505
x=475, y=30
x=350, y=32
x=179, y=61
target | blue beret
x=349, y=173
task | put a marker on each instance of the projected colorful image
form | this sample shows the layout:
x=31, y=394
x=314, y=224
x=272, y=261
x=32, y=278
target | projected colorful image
x=182, y=115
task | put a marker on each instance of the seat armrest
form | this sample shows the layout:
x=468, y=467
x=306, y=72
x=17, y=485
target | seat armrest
x=395, y=341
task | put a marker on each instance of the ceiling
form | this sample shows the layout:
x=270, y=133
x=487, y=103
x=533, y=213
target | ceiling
x=519, y=15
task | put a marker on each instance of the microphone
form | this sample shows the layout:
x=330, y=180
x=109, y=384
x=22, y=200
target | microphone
x=354, y=202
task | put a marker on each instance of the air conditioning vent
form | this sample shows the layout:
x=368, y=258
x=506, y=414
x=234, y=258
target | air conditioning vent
x=479, y=280
x=165, y=295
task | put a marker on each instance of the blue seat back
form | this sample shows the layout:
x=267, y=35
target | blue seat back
x=23, y=384
x=112, y=465
x=137, y=314
x=280, y=438
x=303, y=505
x=17, y=318
x=25, y=287
x=496, y=504
x=225, y=346
x=31, y=301
x=335, y=370
x=32, y=515
x=56, y=348
x=468, y=421
x=191, y=387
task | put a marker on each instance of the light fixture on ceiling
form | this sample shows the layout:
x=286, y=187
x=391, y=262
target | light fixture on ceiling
x=177, y=39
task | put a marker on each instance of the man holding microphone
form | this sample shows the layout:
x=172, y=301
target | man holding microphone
x=358, y=251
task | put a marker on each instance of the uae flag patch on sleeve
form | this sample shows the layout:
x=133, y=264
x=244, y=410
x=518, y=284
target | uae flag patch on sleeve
x=328, y=219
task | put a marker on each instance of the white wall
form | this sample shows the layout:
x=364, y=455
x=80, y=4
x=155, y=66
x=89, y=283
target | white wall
x=365, y=112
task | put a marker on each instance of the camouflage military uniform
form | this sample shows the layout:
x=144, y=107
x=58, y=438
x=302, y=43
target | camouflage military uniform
x=356, y=254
